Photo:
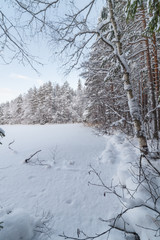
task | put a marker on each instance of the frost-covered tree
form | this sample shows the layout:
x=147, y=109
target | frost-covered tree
x=79, y=102
x=107, y=103
x=6, y=116
x=47, y=104
x=41, y=110
x=16, y=110
x=63, y=104
x=96, y=91
x=30, y=107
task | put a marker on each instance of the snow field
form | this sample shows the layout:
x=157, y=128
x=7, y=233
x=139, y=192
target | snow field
x=61, y=189
x=50, y=194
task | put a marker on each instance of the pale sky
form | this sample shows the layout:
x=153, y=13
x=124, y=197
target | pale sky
x=17, y=79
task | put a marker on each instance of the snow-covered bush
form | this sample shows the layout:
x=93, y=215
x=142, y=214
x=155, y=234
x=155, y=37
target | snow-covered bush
x=18, y=224
x=2, y=133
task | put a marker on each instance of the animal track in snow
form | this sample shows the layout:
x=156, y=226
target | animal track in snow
x=31, y=177
x=69, y=201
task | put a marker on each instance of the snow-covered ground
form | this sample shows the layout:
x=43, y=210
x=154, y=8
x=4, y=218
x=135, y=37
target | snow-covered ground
x=50, y=194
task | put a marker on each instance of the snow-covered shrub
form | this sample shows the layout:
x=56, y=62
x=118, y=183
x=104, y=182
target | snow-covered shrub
x=18, y=224
x=2, y=133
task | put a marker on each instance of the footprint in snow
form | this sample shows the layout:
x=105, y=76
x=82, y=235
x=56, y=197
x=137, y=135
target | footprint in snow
x=69, y=201
x=31, y=177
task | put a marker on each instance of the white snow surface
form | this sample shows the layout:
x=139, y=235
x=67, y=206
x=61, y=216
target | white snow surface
x=50, y=194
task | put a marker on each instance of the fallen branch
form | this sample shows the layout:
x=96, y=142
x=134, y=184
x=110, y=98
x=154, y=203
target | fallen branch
x=28, y=159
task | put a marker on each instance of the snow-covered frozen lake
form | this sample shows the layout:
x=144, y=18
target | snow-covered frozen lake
x=61, y=189
x=55, y=180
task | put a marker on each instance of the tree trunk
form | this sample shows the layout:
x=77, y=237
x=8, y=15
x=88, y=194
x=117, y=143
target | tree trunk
x=156, y=76
x=155, y=56
x=133, y=106
x=151, y=80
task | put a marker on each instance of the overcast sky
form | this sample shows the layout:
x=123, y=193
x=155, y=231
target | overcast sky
x=17, y=79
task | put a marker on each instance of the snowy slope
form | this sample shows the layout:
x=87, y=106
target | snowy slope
x=50, y=194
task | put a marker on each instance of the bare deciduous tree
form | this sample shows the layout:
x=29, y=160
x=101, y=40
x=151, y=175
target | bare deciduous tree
x=20, y=20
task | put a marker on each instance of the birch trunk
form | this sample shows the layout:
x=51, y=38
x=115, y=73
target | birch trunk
x=133, y=105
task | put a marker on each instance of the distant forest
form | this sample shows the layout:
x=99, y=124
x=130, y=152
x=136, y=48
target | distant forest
x=50, y=103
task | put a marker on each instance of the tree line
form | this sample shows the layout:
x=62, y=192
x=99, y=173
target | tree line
x=50, y=103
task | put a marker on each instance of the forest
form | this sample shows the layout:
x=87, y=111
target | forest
x=50, y=103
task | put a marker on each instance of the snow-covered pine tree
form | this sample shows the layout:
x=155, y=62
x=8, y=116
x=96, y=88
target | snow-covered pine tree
x=30, y=107
x=16, y=110
x=6, y=116
x=103, y=77
x=2, y=120
x=47, y=104
x=63, y=104
x=96, y=91
x=78, y=103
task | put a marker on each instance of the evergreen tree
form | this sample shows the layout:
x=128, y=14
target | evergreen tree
x=153, y=8
x=47, y=104
x=30, y=115
x=78, y=103
x=16, y=110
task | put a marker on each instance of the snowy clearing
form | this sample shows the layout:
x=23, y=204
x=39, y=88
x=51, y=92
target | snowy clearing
x=50, y=193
